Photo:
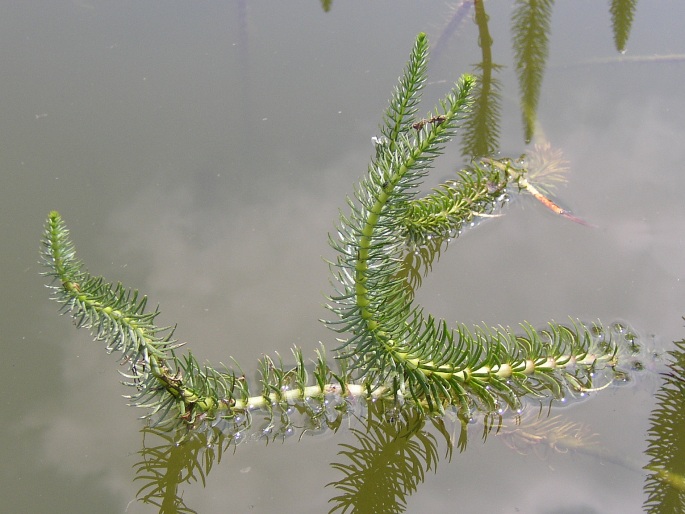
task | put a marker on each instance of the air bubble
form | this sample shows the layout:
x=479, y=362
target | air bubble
x=286, y=432
x=621, y=377
x=632, y=341
x=266, y=429
x=239, y=437
x=617, y=327
x=597, y=331
x=637, y=366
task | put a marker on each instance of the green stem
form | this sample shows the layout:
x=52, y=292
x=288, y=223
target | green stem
x=375, y=212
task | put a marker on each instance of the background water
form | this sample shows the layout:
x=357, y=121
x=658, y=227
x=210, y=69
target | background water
x=200, y=151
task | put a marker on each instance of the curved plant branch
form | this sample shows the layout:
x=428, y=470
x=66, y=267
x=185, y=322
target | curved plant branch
x=392, y=340
x=390, y=348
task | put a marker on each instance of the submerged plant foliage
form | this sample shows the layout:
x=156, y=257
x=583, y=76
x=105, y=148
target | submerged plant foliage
x=389, y=347
x=665, y=482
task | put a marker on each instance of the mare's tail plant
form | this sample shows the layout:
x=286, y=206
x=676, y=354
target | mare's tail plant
x=390, y=348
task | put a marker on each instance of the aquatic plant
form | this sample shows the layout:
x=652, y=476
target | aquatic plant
x=665, y=481
x=389, y=349
x=531, y=22
x=622, y=14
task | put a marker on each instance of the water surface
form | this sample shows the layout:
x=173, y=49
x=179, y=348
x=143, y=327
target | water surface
x=201, y=151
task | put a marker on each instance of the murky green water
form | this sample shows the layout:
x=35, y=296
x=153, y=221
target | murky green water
x=200, y=152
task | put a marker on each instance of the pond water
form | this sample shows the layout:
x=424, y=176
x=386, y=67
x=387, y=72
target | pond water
x=200, y=152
